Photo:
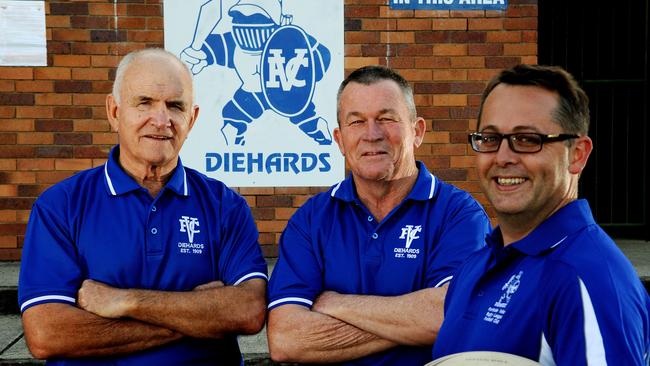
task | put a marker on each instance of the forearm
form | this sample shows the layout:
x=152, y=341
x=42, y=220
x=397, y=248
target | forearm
x=297, y=334
x=410, y=319
x=61, y=330
x=208, y=313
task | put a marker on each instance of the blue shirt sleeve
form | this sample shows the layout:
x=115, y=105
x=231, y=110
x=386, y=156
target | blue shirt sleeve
x=49, y=269
x=297, y=276
x=463, y=232
x=240, y=258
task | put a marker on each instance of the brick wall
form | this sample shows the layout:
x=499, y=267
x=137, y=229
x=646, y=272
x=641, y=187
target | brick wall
x=53, y=122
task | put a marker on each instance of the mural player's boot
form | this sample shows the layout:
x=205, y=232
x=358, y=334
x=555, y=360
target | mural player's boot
x=233, y=132
x=318, y=130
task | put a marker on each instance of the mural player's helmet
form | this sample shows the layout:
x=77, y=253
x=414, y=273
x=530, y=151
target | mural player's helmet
x=253, y=21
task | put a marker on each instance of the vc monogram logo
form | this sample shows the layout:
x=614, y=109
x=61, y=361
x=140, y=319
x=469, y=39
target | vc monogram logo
x=190, y=226
x=287, y=75
x=410, y=233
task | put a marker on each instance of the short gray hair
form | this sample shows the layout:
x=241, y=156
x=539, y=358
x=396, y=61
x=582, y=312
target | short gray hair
x=372, y=74
x=130, y=57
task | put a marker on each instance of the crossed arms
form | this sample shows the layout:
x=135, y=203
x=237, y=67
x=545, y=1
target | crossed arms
x=344, y=327
x=112, y=321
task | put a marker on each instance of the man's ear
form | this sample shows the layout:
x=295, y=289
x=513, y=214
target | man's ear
x=111, y=112
x=420, y=127
x=339, y=139
x=195, y=116
x=579, y=154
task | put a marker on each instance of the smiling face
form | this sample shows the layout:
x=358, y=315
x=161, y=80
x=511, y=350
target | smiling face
x=376, y=132
x=154, y=115
x=528, y=186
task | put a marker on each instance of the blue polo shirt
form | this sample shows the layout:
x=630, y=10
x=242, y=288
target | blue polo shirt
x=100, y=224
x=565, y=294
x=333, y=242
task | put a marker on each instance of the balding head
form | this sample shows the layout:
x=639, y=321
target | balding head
x=145, y=55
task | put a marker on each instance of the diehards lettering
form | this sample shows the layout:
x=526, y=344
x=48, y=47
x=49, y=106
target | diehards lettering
x=190, y=225
x=267, y=163
x=409, y=233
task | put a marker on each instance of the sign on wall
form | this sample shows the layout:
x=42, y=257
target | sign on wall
x=449, y=4
x=266, y=74
x=22, y=33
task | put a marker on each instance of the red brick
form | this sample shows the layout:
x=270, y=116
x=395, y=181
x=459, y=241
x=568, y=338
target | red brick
x=15, y=73
x=16, y=99
x=520, y=49
x=42, y=86
x=353, y=11
x=52, y=73
x=398, y=37
x=50, y=125
x=72, y=164
x=53, y=99
x=90, y=152
x=485, y=24
x=413, y=24
x=7, y=139
x=7, y=86
x=486, y=49
x=504, y=37
x=449, y=24
x=110, y=9
x=72, y=112
x=52, y=177
x=70, y=34
x=155, y=23
x=35, y=164
x=57, y=21
x=90, y=48
x=104, y=61
x=145, y=36
x=7, y=111
x=520, y=23
x=71, y=60
x=378, y=24
x=131, y=23
x=144, y=9
x=35, y=138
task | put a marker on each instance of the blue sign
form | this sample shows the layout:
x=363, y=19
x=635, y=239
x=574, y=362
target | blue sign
x=449, y=4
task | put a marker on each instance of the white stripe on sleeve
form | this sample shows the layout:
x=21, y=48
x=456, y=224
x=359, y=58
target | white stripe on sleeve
x=48, y=297
x=291, y=299
x=595, y=348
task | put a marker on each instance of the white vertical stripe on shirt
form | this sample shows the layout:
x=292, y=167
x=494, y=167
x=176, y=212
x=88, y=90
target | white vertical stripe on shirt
x=336, y=189
x=108, y=180
x=184, y=182
x=546, y=353
x=595, y=348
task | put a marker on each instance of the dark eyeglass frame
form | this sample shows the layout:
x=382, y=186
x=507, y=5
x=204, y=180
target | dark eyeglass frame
x=474, y=137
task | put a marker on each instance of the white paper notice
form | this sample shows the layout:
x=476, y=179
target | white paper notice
x=22, y=33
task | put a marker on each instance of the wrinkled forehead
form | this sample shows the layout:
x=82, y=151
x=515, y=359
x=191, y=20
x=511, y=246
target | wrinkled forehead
x=155, y=75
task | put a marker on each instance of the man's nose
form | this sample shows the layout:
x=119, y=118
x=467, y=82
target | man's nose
x=374, y=130
x=505, y=155
x=160, y=116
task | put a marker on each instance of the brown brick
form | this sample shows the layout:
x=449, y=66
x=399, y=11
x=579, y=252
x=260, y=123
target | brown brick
x=35, y=164
x=415, y=24
x=71, y=60
x=473, y=62
x=462, y=161
x=449, y=149
x=504, y=37
x=377, y=24
x=90, y=152
x=449, y=24
x=17, y=177
x=7, y=111
x=484, y=74
x=92, y=22
x=485, y=24
x=15, y=204
x=72, y=112
x=529, y=36
x=72, y=139
x=397, y=37
x=131, y=23
x=72, y=164
x=436, y=137
x=52, y=177
x=53, y=151
x=449, y=125
x=107, y=9
x=16, y=99
x=17, y=124
x=520, y=24
x=356, y=62
x=447, y=100
x=7, y=86
x=106, y=138
x=90, y=74
x=8, y=138
x=61, y=34
x=450, y=49
x=467, y=37
x=501, y=62
x=387, y=12
x=275, y=226
x=144, y=9
x=88, y=48
x=104, y=61
x=108, y=35
x=154, y=36
x=362, y=37
x=353, y=11
x=53, y=99
x=451, y=74
x=452, y=174
x=432, y=88
x=52, y=73
x=415, y=50
x=68, y=8
x=39, y=86
x=57, y=48
x=58, y=125
x=263, y=213
x=514, y=11
x=432, y=62
x=35, y=138
x=81, y=125
x=57, y=21
x=486, y=49
x=520, y=49
x=274, y=201
x=15, y=73
x=31, y=190
x=155, y=23
x=72, y=86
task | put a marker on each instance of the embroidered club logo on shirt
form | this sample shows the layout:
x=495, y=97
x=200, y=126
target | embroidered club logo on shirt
x=496, y=312
x=190, y=225
x=409, y=233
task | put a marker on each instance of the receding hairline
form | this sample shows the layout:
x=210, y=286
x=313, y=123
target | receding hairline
x=137, y=56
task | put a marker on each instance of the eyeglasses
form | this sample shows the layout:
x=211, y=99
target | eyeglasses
x=486, y=142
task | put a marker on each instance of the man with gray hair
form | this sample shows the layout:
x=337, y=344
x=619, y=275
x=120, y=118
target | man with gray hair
x=142, y=260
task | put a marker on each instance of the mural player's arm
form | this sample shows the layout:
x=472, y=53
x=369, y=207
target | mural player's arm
x=298, y=334
x=208, y=18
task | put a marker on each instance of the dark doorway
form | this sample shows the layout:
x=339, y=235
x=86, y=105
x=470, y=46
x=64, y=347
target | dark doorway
x=605, y=46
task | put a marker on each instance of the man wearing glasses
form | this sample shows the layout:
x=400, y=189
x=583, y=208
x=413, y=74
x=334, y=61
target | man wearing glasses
x=550, y=285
